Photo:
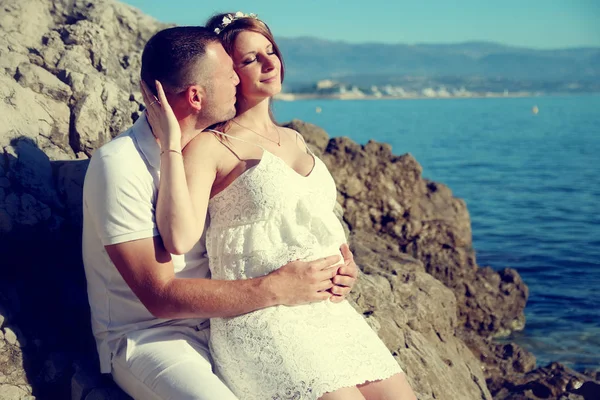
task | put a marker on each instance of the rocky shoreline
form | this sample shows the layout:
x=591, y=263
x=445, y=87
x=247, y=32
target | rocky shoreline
x=68, y=81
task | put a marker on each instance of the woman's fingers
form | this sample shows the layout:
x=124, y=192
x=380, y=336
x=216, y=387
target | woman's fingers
x=342, y=280
x=336, y=299
x=349, y=270
x=340, y=291
x=162, y=97
x=148, y=97
x=144, y=90
x=347, y=254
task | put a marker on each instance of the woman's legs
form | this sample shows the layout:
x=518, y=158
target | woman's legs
x=351, y=393
x=395, y=387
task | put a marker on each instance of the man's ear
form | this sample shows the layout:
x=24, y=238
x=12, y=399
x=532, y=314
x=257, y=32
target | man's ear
x=195, y=96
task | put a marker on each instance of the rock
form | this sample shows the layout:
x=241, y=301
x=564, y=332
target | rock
x=103, y=102
x=84, y=381
x=70, y=175
x=589, y=390
x=416, y=315
x=10, y=336
x=592, y=373
x=10, y=392
x=88, y=383
x=43, y=82
x=11, y=366
x=316, y=138
x=31, y=168
x=384, y=195
x=552, y=381
x=58, y=61
x=28, y=30
x=55, y=367
x=26, y=114
x=107, y=394
x=571, y=396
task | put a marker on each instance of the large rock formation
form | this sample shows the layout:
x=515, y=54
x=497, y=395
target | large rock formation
x=385, y=197
x=68, y=81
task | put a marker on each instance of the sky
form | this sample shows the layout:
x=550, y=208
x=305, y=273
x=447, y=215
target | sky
x=548, y=24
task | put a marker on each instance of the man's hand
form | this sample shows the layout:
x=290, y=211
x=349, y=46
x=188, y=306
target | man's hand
x=346, y=276
x=300, y=282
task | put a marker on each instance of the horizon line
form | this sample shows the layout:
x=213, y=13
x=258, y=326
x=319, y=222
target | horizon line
x=465, y=42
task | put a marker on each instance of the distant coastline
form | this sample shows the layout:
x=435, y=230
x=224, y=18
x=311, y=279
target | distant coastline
x=334, y=90
x=313, y=96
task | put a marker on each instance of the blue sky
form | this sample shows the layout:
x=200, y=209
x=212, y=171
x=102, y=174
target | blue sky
x=530, y=23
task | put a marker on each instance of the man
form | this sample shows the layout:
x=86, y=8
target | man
x=150, y=309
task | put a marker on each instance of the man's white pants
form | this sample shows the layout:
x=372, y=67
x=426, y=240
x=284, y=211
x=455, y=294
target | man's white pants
x=170, y=362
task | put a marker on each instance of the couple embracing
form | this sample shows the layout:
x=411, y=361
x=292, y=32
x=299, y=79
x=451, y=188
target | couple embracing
x=216, y=266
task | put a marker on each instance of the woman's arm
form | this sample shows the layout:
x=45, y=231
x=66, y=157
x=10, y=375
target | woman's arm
x=182, y=198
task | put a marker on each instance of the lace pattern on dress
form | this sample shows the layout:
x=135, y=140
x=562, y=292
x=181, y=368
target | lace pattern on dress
x=268, y=216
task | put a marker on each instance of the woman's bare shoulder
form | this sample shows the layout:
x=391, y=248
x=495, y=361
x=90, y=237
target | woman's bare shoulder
x=289, y=131
x=205, y=142
x=296, y=136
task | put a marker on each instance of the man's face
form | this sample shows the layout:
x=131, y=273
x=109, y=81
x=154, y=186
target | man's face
x=219, y=104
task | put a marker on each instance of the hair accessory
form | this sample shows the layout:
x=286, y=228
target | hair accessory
x=229, y=18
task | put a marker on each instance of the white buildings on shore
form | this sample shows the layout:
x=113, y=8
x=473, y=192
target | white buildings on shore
x=329, y=88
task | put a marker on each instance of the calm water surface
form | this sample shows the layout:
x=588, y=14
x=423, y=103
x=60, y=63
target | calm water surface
x=532, y=187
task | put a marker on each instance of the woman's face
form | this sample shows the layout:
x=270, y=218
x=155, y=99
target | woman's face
x=257, y=65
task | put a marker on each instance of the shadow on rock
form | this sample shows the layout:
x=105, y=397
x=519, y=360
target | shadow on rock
x=43, y=301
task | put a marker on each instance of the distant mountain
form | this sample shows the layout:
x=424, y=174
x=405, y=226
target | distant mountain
x=309, y=60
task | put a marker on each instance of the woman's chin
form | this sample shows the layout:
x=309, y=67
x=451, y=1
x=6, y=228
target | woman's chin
x=276, y=92
x=274, y=89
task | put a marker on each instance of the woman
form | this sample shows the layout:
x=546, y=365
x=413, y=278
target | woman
x=274, y=205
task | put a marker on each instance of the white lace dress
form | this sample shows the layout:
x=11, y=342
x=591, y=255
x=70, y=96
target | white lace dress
x=268, y=216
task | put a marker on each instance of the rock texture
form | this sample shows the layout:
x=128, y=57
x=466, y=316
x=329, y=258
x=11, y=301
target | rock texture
x=68, y=79
x=385, y=196
x=68, y=83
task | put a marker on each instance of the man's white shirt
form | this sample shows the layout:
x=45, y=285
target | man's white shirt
x=119, y=200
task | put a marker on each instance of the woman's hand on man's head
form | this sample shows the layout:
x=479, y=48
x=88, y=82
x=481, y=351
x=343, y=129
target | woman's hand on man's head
x=162, y=119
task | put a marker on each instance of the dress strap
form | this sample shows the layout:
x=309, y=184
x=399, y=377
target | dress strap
x=304, y=141
x=236, y=138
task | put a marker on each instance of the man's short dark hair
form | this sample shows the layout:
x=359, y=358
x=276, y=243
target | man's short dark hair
x=171, y=55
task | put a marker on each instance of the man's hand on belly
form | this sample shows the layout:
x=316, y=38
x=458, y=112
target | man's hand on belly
x=300, y=282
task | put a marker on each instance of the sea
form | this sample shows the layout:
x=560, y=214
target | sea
x=529, y=171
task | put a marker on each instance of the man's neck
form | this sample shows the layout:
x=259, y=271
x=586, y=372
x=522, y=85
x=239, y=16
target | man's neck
x=190, y=128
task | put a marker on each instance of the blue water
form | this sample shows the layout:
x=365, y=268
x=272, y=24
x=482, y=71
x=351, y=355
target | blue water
x=532, y=187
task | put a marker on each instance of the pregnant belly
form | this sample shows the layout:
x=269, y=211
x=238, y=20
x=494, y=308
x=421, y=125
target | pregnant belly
x=230, y=266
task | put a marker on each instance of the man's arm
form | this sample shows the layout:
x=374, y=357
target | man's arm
x=148, y=270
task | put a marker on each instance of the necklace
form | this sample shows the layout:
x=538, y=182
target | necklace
x=278, y=142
